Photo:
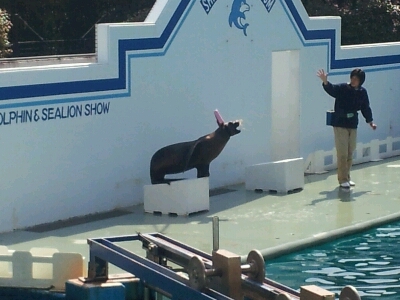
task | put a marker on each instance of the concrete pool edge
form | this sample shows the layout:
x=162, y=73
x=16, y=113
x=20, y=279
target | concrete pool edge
x=324, y=237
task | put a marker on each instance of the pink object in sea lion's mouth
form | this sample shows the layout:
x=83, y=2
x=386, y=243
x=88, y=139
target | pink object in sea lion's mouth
x=218, y=117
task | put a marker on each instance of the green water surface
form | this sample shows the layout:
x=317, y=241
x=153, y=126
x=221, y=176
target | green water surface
x=369, y=261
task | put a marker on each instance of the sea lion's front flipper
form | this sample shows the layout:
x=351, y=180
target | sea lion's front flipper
x=203, y=171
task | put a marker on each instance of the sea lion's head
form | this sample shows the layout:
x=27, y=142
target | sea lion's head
x=232, y=127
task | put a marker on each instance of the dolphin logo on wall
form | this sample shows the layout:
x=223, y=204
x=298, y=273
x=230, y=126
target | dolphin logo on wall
x=237, y=15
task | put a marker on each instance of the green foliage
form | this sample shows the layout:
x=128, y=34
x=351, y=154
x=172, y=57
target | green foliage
x=363, y=21
x=50, y=23
x=69, y=19
x=5, y=26
x=51, y=27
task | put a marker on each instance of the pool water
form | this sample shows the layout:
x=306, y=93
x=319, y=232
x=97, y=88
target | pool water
x=369, y=261
x=26, y=294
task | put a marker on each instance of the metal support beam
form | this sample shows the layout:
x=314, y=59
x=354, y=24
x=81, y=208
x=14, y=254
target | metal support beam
x=149, y=272
x=154, y=273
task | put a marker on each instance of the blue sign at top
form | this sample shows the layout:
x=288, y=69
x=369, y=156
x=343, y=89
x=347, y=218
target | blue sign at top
x=207, y=4
x=268, y=4
x=237, y=15
x=238, y=12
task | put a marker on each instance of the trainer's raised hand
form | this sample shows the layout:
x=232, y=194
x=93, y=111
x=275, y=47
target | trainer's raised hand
x=323, y=76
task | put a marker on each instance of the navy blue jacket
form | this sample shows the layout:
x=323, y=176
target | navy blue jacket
x=348, y=101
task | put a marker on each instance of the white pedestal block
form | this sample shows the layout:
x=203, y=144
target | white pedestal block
x=181, y=197
x=280, y=176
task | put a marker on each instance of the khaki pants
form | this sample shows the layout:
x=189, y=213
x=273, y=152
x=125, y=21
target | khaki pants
x=345, y=143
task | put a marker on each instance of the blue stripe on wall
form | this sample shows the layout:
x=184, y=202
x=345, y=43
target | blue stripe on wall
x=329, y=34
x=98, y=85
x=120, y=83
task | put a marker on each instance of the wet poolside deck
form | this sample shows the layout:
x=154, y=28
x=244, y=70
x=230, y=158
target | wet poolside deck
x=248, y=220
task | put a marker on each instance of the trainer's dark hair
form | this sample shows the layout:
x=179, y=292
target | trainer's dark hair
x=360, y=74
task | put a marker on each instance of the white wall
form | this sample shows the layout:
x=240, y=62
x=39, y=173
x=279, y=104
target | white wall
x=162, y=87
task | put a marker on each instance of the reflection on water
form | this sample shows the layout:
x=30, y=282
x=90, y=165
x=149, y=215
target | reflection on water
x=369, y=261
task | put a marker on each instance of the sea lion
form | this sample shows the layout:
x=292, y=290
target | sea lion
x=181, y=157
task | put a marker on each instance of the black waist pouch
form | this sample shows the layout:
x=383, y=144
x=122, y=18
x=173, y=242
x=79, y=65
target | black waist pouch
x=330, y=117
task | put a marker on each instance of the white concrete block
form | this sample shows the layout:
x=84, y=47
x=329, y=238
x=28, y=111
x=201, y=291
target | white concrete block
x=181, y=197
x=281, y=176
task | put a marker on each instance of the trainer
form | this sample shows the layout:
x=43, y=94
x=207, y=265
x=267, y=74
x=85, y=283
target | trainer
x=349, y=99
